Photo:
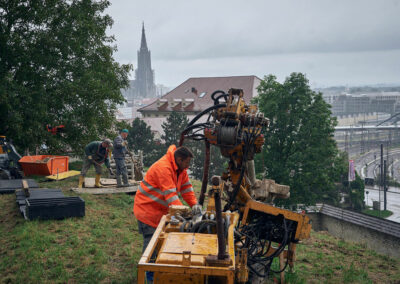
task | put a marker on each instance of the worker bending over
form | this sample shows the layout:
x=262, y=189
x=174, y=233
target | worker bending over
x=159, y=189
x=96, y=153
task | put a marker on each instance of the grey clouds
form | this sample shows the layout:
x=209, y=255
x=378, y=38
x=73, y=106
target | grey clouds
x=333, y=42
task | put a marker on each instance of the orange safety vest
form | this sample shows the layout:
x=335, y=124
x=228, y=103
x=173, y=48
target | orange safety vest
x=159, y=189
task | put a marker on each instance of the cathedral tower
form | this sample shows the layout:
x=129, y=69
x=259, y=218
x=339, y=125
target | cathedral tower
x=144, y=75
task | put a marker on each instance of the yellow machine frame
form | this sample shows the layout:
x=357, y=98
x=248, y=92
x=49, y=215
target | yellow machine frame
x=182, y=257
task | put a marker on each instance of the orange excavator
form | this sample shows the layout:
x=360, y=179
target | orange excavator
x=240, y=232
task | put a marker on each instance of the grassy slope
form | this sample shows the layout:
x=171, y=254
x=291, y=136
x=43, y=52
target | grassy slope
x=105, y=246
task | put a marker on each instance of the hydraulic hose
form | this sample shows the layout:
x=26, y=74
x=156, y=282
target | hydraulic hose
x=197, y=117
x=204, y=182
x=216, y=99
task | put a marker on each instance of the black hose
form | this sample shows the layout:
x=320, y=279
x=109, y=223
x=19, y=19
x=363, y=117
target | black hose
x=205, y=226
x=206, y=168
x=283, y=269
x=188, y=128
x=196, y=226
x=204, y=112
x=197, y=117
x=223, y=94
x=237, y=187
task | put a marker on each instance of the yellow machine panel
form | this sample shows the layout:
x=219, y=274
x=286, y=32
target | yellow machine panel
x=200, y=245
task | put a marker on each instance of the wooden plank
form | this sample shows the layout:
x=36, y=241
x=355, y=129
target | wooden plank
x=63, y=175
x=106, y=190
x=25, y=187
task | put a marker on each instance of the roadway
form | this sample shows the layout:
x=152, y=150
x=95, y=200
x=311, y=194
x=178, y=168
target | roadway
x=393, y=200
x=368, y=164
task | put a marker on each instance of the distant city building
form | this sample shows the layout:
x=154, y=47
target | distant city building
x=352, y=104
x=161, y=90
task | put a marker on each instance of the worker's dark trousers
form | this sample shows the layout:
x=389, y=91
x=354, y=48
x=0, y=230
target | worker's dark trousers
x=147, y=232
x=121, y=170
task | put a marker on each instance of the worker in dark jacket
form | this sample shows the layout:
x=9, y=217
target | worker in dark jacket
x=96, y=153
x=119, y=151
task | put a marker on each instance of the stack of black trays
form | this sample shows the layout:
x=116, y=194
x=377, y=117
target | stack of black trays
x=46, y=204
x=10, y=185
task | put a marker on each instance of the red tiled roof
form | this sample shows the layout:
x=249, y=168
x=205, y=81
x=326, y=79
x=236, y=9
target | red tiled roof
x=197, y=92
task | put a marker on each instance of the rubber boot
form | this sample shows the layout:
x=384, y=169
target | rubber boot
x=81, y=181
x=119, y=181
x=125, y=180
x=97, y=181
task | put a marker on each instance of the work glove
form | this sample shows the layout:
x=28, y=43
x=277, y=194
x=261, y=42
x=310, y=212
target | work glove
x=89, y=157
x=110, y=171
x=196, y=209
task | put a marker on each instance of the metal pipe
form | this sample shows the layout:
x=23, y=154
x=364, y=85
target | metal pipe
x=251, y=172
x=218, y=212
x=384, y=185
x=220, y=227
x=206, y=167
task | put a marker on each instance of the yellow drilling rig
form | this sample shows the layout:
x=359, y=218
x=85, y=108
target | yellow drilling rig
x=240, y=232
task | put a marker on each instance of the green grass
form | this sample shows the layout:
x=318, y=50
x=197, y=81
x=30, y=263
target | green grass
x=376, y=213
x=105, y=247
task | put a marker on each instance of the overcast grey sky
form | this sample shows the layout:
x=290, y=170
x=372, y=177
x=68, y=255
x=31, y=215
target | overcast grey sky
x=334, y=42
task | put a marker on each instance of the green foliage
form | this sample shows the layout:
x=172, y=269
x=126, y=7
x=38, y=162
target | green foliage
x=141, y=138
x=299, y=150
x=119, y=125
x=105, y=246
x=173, y=127
x=57, y=67
x=377, y=213
x=356, y=194
x=176, y=122
x=217, y=161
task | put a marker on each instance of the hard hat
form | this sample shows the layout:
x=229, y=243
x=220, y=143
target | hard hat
x=108, y=142
x=125, y=130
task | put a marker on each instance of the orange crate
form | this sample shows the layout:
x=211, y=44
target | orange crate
x=44, y=165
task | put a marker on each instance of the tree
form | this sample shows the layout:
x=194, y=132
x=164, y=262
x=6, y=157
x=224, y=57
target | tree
x=57, y=67
x=141, y=138
x=173, y=127
x=299, y=147
x=217, y=161
x=356, y=194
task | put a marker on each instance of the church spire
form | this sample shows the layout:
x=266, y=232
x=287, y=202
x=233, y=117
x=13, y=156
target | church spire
x=143, y=44
x=144, y=79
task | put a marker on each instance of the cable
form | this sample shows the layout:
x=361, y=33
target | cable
x=216, y=99
x=255, y=240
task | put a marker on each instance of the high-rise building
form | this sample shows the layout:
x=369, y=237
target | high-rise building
x=144, y=75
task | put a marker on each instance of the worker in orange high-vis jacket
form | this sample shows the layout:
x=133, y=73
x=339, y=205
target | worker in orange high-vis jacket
x=159, y=189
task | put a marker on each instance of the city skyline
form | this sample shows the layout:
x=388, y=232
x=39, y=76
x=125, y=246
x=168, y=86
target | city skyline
x=333, y=43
